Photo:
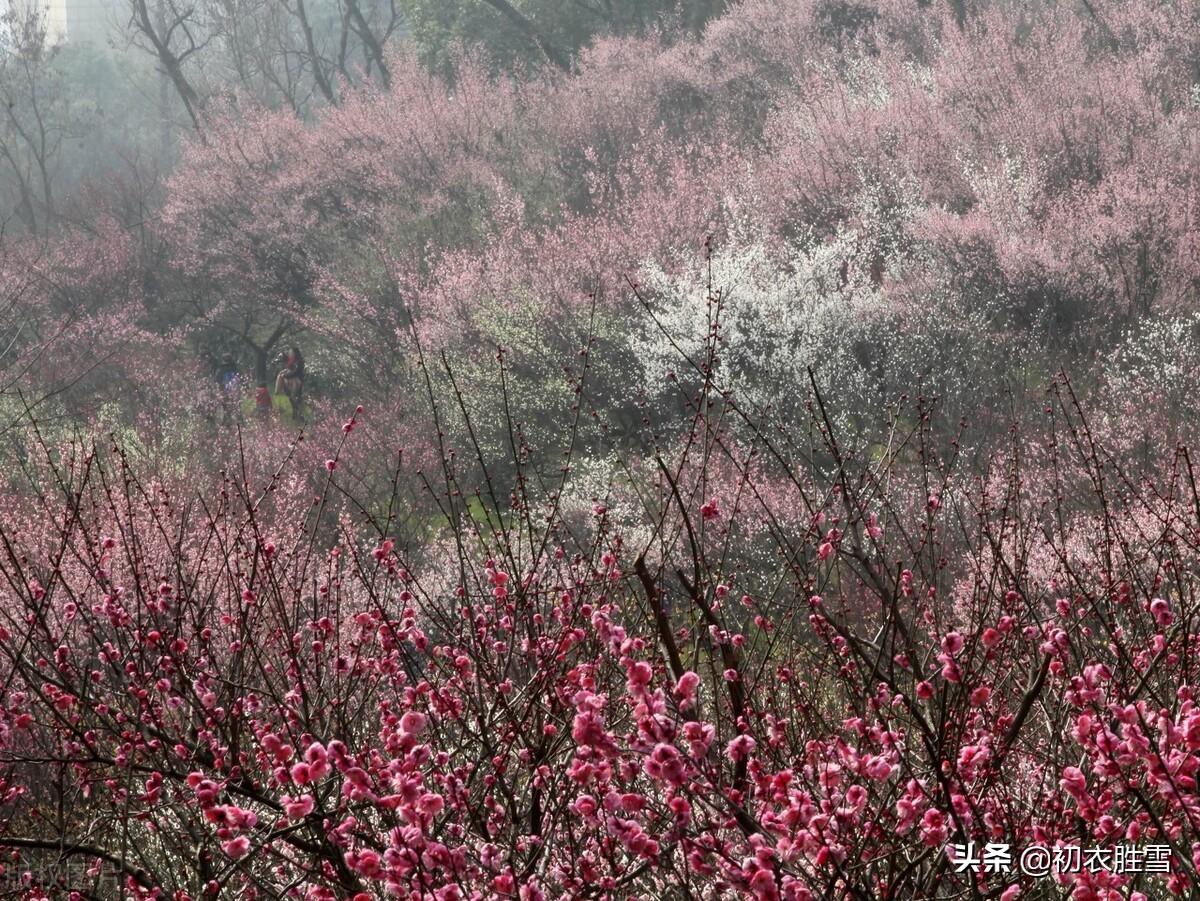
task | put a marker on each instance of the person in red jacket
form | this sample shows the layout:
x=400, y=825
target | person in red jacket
x=262, y=401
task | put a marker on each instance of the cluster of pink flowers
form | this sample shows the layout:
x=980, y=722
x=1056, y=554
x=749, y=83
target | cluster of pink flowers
x=755, y=663
x=269, y=708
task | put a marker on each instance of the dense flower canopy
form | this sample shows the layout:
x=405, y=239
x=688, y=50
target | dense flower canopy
x=769, y=476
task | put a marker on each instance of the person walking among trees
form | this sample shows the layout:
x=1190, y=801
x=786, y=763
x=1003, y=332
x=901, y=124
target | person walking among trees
x=290, y=381
x=230, y=381
x=262, y=401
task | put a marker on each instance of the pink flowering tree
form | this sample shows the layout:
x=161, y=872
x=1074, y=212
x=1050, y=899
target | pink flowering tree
x=628, y=582
x=762, y=664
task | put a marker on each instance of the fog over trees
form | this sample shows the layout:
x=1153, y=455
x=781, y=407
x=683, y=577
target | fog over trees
x=599, y=448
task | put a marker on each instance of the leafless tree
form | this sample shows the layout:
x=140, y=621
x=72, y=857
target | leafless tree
x=294, y=53
x=32, y=124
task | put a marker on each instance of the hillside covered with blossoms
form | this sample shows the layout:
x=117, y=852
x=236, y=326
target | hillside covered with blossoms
x=602, y=450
